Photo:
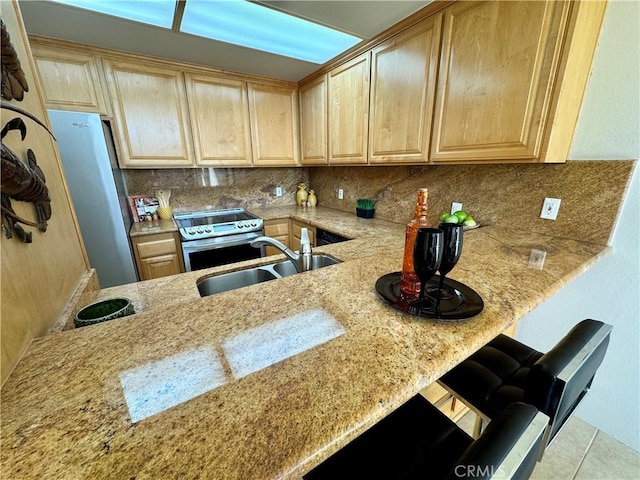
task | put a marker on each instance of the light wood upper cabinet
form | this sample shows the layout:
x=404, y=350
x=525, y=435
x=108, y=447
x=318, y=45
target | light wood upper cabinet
x=348, y=91
x=496, y=79
x=152, y=120
x=70, y=80
x=220, y=120
x=403, y=84
x=274, y=125
x=313, y=122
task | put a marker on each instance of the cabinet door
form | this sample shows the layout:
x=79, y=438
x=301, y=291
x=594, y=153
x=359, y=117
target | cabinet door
x=278, y=229
x=496, y=78
x=158, y=255
x=161, y=266
x=313, y=122
x=296, y=234
x=70, y=81
x=403, y=83
x=274, y=125
x=220, y=120
x=349, y=111
x=150, y=109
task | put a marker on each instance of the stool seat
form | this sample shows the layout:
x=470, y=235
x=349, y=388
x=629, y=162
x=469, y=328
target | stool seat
x=417, y=441
x=506, y=371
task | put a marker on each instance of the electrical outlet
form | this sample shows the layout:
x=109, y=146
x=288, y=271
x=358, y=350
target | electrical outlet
x=456, y=207
x=278, y=191
x=550, y=208
x=340, y=194
x=536, y=258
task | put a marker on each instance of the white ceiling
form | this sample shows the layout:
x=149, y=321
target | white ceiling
x=361, y=18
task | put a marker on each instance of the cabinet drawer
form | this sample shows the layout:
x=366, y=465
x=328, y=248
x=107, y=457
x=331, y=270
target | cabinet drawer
x=159, y=245
x=276, y=229
x=296, y=233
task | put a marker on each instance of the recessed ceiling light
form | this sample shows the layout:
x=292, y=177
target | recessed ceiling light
x=254, y=26
x=156, y=12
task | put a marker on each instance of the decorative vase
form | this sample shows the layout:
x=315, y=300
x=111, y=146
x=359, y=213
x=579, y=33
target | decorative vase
x=301, y=194
x=313, y=200
x=165, y=213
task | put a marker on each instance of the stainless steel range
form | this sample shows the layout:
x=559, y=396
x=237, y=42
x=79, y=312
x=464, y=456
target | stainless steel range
x=218, y=237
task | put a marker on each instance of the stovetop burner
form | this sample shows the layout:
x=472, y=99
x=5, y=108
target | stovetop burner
x=216, y=223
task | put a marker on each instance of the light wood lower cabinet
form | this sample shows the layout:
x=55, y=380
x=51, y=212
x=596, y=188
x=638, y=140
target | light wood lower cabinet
x=288, y=231
x=296, y=233
x=278, y=229
x=158, y=255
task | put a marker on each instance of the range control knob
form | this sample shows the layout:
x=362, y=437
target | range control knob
x=191, y=231
x=240, y=225
x=207, y=229
x=254, y=224
x=200, y=230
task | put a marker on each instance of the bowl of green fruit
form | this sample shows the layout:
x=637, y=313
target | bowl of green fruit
x=459, y=217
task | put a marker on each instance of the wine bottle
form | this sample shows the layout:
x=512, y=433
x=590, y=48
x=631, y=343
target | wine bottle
x=409, y=281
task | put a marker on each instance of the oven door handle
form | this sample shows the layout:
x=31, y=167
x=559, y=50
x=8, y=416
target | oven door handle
x=219, y=242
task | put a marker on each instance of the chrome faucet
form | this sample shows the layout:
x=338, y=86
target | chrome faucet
x=302, y=260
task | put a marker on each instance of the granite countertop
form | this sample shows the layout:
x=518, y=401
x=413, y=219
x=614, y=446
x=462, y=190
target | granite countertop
x=265, y=381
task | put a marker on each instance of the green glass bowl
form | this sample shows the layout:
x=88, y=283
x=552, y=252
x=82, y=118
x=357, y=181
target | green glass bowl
x=103, y=310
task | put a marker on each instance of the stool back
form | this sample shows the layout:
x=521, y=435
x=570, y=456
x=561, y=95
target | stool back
x=560, y=378
x=509, y=448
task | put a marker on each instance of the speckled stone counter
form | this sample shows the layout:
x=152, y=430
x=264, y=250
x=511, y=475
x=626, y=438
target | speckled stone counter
x=151, y=228
x=265, y=381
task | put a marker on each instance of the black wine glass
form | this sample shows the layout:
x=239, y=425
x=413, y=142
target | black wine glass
x=427, y=255
x=451, y=250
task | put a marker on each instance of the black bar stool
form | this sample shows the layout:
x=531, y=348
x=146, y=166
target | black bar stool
x=506, y=371
x=417, y=441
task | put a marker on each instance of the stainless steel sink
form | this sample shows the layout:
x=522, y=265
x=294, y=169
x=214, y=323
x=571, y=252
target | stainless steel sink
x=233, y=280
x=251, y=276
x=286, y=268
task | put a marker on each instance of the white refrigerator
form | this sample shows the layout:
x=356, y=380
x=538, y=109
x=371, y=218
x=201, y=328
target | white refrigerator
x=98, y=192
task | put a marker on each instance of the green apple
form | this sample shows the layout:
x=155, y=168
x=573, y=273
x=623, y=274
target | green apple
x=469, y=222
x=444, y=216
x=462, y=215
x=451, y=219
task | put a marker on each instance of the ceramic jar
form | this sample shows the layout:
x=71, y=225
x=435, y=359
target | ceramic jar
x=301, y=194
x=312, y=199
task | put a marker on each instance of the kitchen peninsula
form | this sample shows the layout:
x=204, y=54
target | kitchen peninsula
x=242, y=389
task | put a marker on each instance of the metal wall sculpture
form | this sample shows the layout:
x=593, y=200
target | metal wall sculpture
x=20, y=181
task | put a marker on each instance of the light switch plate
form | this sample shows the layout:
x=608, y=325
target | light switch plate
x=456, y=207
x=550, y=208
x=340, y=194
x=278, y=191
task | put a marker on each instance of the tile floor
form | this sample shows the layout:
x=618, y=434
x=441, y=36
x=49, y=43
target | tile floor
x=581, y=452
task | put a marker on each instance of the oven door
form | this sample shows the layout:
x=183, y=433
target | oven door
x=211, y=252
